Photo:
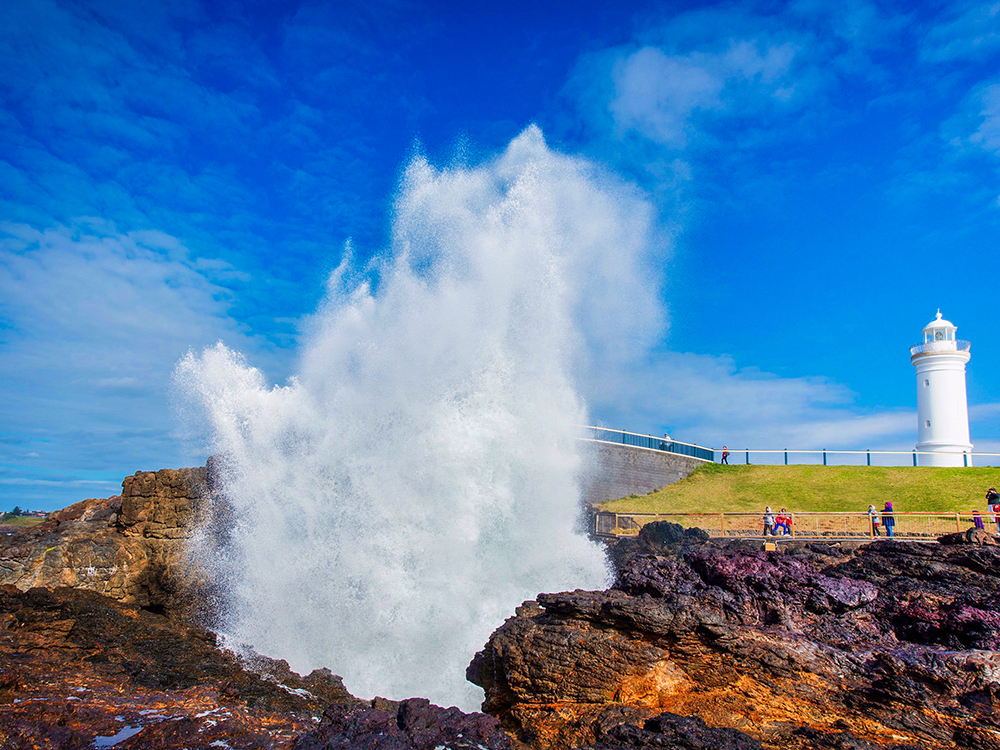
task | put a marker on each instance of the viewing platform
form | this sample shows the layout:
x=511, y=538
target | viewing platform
x=818, y=527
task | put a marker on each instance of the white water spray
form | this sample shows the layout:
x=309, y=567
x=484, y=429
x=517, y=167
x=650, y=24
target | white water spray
x=419, y=478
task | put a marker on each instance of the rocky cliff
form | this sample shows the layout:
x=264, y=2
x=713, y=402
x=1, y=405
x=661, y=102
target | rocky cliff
x=129, y=547
x=890, y=645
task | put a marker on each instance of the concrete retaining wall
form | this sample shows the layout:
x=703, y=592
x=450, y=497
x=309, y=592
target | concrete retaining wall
x=614, y=471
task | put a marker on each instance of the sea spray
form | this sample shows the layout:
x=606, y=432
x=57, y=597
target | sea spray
x=419, y=477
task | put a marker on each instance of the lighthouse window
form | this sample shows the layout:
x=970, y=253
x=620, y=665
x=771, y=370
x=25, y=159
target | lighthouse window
x=938, y=335
x=928, y=423
x=926, y=382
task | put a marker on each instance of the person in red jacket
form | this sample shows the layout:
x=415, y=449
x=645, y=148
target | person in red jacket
x=783, y=522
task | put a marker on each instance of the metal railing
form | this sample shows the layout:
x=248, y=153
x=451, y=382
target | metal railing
x=636, y=440
x=929, y=347
x=865, y=457
x=773, y=456
x=843, y=526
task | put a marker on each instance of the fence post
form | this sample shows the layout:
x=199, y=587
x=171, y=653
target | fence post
x=786, y=456
x=869, y=456
x=623, y=437
x=824, y=456
x=958, y=522
x=965, y=458
x=748, y=456
x=616, y=524
x=722, y=523
x=914, y=457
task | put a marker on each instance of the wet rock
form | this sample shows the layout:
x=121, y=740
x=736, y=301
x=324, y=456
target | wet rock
x=78, y=666
x=979, y=537
x=415, y=724
x=671, y=732
x=890, y=645
x=658, y=534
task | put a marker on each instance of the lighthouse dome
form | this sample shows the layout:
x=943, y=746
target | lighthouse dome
x=939, y=329
x=940, y=322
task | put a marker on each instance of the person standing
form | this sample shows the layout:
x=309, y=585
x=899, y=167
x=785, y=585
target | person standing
x=977, y=521
x=888, y=520
x=783, y=522
x=768, y=521
x=725, y=456
x=875, y=520
x=993, y=505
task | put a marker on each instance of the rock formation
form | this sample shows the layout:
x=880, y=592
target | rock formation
x=81, y=670
x=698, y=645
x=100, y=646
x=76, y=667
x=890, y=645
x=413, y=724
x=129, y=547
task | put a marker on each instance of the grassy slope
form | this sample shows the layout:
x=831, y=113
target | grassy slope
x=714, y=489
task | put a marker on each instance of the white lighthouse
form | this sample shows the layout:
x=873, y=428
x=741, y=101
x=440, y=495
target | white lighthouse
x=942, y=406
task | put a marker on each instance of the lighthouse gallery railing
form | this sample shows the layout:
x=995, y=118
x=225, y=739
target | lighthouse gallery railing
x=931, y=347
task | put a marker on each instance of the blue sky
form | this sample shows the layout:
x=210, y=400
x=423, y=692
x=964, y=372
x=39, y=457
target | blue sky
x=825, y=176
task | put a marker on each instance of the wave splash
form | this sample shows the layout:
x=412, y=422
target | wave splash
x=419, y=477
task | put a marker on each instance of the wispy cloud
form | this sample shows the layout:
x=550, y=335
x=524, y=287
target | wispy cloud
x=719, y=76
x=987, y=134
x=661, y=96
x=710, y=400
x=94, y=320
x=970, y=30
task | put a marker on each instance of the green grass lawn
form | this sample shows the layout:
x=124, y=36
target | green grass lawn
x=19, y=522
x=747, y=489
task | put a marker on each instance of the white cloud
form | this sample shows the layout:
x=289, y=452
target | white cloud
x=987, y=135
x=972, y=32
x=660, y=95
x=975, y=126
x=727, y=74
x=709, y=400
x=94, y=320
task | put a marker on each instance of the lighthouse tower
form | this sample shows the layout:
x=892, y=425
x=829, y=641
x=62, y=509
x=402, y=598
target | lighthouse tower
x=942, y=407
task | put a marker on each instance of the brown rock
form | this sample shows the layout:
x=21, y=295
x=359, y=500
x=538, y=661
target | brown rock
x=76, y=666
x=128, y=547
x=978, y=537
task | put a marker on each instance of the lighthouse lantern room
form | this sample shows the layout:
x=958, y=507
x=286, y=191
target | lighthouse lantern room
x=942, y=406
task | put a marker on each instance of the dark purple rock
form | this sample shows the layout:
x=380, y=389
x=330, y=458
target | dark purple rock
x=416, y=724
x=672, y=732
